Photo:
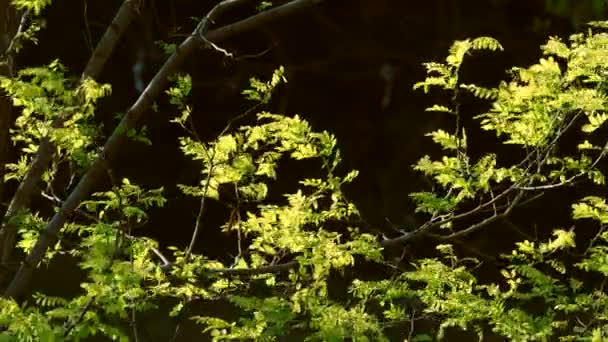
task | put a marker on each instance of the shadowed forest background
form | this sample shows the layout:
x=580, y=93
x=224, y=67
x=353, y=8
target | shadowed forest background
x=350, y=66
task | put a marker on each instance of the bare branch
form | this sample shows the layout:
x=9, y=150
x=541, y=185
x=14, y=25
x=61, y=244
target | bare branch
x=12, y=47
x=569, y=181
x=485, y=222
x=436, y=222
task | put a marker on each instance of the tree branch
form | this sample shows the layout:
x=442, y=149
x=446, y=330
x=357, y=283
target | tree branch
x=11, y=49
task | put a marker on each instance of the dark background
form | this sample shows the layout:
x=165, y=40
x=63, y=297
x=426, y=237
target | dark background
x=350, y=64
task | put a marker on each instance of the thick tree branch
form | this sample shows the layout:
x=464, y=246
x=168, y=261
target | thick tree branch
x=129, y=121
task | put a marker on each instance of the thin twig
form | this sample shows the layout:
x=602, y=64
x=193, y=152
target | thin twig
x=87, y=30
x=158, y=253
x=201, y=209
x=255, y=55
x=70, y=325
x=11, y=49
x=485, y=222
x=412, y=324
x=211, y=16
x=569, y=181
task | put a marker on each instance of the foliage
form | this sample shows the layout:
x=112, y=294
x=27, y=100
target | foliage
x=534, y=110
x=34, y=5
x=246, y=161
x=262, y=91
x=45, y=96
x=280, y=282
x=119, y=263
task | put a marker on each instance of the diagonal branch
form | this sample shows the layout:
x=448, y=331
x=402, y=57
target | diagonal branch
x=126, y=13
x=11, y=49
x=17, y=286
